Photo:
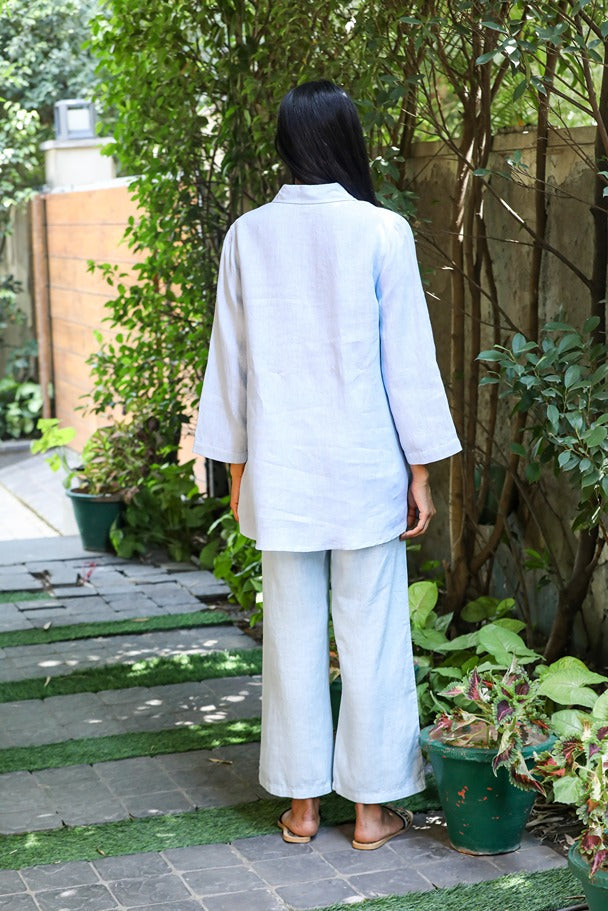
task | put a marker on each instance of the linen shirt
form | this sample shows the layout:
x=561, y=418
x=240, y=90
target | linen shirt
x=322, y=374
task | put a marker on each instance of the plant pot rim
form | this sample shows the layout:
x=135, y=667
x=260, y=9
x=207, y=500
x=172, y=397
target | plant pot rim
x=581, y=865
x=83, y=494
x=476, y=754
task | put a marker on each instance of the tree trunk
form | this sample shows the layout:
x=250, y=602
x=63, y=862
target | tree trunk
x=573, y=594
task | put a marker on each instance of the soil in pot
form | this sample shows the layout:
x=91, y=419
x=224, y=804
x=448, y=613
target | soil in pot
x=484, y=813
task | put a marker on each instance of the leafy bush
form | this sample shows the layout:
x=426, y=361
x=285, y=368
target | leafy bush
x=115, y=459
x=439, y=659
x=235, y=559
x=503, y=712
x=562, y=385
x=20, y=407
x=575, y=772
x=167, y=513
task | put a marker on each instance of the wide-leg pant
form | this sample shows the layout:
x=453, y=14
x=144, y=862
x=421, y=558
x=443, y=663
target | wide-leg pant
x=376, y=756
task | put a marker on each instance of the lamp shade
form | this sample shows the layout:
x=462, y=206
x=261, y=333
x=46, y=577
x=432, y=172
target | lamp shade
x=75, y=118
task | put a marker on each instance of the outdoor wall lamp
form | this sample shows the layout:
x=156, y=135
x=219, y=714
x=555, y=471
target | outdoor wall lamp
x=75, y=119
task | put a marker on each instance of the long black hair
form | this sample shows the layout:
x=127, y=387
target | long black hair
x=319, y=137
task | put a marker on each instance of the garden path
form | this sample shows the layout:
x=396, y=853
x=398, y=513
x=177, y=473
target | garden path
x=257, y=873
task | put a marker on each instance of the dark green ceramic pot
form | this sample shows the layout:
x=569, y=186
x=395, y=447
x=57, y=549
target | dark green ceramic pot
x=596, y=887
x=484, y=813
x=94, y=516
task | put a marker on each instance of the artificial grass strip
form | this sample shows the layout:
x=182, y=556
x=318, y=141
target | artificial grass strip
x=211, y=825
x=149, y=672
x=113, y=628
x=88, y=750
x=9, y=597
x=547, y=891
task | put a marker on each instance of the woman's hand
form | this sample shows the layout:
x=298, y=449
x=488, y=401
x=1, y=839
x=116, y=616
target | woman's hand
x=420, y=506
x=236, y=474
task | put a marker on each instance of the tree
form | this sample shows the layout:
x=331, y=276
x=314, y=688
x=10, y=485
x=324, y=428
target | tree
x=196, y=87
x=41, y=61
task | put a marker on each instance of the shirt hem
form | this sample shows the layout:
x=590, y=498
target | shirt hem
x=266, y=544
x=220, y=455
x=434, y=455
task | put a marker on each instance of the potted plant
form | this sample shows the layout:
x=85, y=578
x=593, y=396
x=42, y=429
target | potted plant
x=481, y=751
x=575, y=772
x=113, y=462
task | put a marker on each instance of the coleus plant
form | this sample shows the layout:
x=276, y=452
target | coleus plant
x=575, y=772
x=504, y=712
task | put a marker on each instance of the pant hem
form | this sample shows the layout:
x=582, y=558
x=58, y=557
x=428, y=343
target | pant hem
x=393, y=796
x=300, y=793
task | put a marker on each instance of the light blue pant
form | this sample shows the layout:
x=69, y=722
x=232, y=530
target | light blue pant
x=376, y=757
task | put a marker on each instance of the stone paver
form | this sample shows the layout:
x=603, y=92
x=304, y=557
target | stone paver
x=85, y=587
x=139, y=787
x=61, y=718
x=22, y=661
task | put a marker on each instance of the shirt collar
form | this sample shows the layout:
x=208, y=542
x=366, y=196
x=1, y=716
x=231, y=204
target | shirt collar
x=309, y=193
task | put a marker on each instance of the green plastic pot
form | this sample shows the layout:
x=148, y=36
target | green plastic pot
x=596, y=888
x=94, y=516
x=484, y=813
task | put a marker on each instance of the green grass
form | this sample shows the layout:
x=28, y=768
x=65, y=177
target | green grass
x=547, y=891
x=112, y=628
x=211, y=825
x=7, y=597
x=149, y=672
x=86, y=751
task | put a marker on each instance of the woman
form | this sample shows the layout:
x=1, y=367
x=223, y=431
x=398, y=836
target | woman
x=321, y=389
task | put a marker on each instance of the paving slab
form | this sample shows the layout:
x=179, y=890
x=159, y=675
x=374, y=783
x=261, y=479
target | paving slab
x=53, y=659
x=57, y=718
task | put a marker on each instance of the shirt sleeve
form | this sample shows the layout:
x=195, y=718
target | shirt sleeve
x=413, y=384
x=221, y=430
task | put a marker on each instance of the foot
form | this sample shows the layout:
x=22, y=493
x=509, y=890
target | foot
x=376, y=823
x=303, y=818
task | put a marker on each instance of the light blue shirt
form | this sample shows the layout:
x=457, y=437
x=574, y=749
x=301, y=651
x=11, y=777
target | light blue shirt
x=322, y=373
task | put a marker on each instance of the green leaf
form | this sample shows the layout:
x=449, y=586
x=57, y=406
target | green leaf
x=568, y=682
x=429, y=639
x=520, y=89
x=492, y=354
x=516, y=626
x=518, y=449
x=600, y=709
x=568, y=722
x=595, y=436
x=592, y=322
x=479, y=609
x=569, y=790
x=422, y=599
x=519, y=343
x=553, y=416
x=572, y=375
x=485, y=58
x=469, y=640
x=499, y=641
x=533, y=472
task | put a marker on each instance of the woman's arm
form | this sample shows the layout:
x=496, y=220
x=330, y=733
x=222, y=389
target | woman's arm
x=236, y=474
x=420, y=506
